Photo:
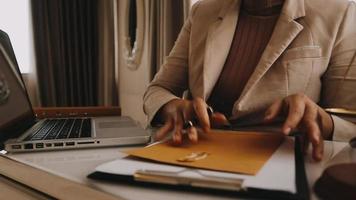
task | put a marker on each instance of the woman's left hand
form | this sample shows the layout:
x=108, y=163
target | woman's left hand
x=301, y=112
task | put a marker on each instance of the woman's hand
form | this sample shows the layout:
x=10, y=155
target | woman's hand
x=301, y=112
x=178, y=111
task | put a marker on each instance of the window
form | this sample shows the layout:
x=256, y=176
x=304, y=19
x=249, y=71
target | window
x=16, y=21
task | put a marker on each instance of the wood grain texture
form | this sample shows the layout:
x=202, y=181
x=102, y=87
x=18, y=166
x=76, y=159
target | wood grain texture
x=50, y=184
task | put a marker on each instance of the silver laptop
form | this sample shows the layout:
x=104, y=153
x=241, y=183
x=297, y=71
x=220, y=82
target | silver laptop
x=20, y=131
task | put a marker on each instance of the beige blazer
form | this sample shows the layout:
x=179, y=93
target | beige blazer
x=310, y=51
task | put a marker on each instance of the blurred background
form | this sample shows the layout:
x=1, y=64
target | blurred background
x=92, y=52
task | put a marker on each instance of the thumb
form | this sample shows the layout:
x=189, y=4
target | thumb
x=219, y=120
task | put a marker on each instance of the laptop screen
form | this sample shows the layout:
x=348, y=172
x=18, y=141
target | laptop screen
x=14, y=104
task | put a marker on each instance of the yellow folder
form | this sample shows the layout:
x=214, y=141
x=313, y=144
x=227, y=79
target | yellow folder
x=220, y=150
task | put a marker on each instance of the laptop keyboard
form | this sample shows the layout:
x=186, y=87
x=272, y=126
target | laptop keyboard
x=52, y=129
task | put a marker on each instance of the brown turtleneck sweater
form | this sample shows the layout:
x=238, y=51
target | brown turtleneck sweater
x=256, y=22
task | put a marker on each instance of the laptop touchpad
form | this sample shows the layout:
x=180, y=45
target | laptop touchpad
x=112, y=127
x=116, y=124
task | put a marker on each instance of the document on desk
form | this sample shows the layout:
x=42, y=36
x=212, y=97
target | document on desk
x=219, y=150
x=278, y=173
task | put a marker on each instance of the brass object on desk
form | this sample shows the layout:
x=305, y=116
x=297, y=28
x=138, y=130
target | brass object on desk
x=341, y=111
x=337, y=182
x=353, y=142
x=346, y=114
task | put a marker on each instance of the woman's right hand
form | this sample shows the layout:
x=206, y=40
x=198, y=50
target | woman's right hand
x=178, y=111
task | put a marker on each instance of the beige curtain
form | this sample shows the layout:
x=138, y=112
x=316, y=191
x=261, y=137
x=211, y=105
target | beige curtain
x=166, y=20
x=108, y=90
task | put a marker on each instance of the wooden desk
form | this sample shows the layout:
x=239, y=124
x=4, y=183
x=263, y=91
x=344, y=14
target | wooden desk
x=21, y=181
x=71, y=167
x=75, y=165
x=10, y=189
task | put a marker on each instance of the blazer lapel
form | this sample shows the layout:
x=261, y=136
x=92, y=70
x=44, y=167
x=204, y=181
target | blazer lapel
x=284, y=33
x=219, y=40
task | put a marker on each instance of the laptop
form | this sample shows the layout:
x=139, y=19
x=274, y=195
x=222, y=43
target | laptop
x=20, y=131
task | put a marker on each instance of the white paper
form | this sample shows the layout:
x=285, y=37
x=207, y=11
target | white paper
x=277, y=174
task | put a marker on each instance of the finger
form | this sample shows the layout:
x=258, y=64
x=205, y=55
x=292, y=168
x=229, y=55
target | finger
x=318, y=148
x=273, y=111
x=165, y=129
x=310, y=122
x=177, y=134
x=219, y=120
x=187, y=110
x=313, y=132
x=295, y=114
x=193, y=134
x=202, y=113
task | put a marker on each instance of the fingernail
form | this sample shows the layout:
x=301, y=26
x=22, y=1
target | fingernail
x=267, y=118
x=159, y=135
x=319, y=157
x=286, y=130
x=317, y=140
x=178, y=138
x=193, y=138
x=267, y=114
x=206, y=129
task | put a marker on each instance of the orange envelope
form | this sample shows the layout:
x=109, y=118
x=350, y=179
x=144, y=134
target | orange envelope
x=220, y=150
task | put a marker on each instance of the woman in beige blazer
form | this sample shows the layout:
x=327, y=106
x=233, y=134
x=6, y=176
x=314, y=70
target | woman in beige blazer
x=307, y=63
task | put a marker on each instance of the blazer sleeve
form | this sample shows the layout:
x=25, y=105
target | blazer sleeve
x=172, y=79
x=339, y=81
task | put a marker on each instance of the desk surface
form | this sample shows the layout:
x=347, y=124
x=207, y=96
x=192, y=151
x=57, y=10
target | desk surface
x=77, y=164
